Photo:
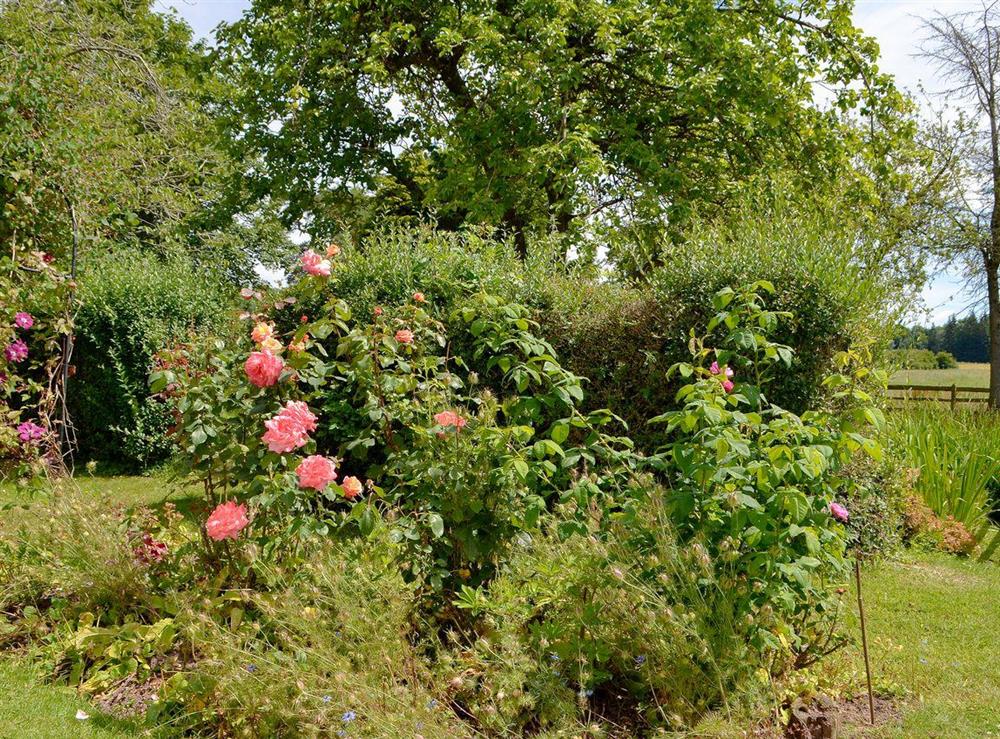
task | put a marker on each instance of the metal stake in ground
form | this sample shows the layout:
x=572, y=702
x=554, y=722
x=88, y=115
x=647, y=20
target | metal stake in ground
x=864, y=639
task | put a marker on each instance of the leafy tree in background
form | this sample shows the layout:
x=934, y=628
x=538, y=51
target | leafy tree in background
x=584, y=118
x=106, y=129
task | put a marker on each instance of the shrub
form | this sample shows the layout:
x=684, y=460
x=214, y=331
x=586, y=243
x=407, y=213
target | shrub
x=914, y=359
x=945, y=360
x=133, y=305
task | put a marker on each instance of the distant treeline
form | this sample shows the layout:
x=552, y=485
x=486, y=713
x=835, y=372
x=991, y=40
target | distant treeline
x=967, y=338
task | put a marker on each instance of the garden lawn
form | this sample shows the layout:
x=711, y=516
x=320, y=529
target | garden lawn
x=934, y=630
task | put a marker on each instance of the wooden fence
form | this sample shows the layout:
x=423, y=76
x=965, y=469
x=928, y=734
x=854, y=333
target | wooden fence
x=951, y=394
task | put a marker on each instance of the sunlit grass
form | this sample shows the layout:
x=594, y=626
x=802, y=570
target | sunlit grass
x=967, y=374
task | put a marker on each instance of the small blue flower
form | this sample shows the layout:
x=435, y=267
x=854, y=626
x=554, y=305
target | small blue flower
x=251, y=668
x=640, y=660
x=923, y=660
x=348, y=717
x=326, y=699
x=432, y=703
x=553, y=656
x=341, y=732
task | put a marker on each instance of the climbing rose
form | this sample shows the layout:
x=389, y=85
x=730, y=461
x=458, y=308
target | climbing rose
x=16, y=352
x=419, y=298
x=404, y=336
x=263, y=368
x=289, y=430
x=29, y=431
x=261, y=332
x=839, y=512
x=728, y=386
x=272, y=345
x=352, y=487
x=316, y=472
x=314, y=264
x=450, y=419
x=227, y=521
x=24, y=320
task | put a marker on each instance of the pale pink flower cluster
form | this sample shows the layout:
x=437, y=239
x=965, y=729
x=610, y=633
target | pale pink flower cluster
x=404, y=336
x=449, y=419
x=314, y=264
x=839, y=512
x=316, y=472
x=727, y=384
x=289, y=430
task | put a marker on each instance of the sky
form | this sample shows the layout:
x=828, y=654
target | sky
x=895, y=24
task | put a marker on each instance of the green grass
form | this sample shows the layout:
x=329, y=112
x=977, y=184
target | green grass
x=934, y=626
x=30, y=710
x=967, y=374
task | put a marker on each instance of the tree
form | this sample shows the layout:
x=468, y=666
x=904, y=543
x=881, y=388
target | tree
x=579, y=117
x=966, y=49
x=107, y=137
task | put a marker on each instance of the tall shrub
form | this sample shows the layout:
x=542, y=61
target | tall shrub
x=134, y=305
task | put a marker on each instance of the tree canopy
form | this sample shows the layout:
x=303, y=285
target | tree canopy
x=579, y=117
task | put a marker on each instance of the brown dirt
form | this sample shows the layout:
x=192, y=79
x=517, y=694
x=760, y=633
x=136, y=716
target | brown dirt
x=825, y=718
x=130, y=697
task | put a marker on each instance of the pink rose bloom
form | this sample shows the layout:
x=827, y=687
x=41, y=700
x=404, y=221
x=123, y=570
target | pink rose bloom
x=314, y=264
x=227, y=521
x=450, y=419
x=728, y=386
x=271, y=345
x=316, y=472
x=716, y=370
x=419, y=298
x=404, y=336
x=839, y=512
x=264, y=368
x=352, y=487
x=24, y=320
x=261, y=332
x=29, y=431
x=378, y=310
x=289, y=430
x=16, y=352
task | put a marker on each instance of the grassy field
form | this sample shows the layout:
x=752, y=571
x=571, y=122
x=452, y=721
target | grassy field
x=968, y=374
x=934, y=623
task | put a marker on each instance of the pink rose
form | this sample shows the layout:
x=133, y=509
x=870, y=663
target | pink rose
x=378, y=311
x=227, y=521
x=314, y=264
x=316, y=472
x=419, y=298
x=262, y=332
x=24, y=320
x=450, y=419
x=404, y=336
x=352, y=487
x=16, y=352
x=289, y=430
x=264, y=368
x=716, y=370
x=728, y=386
x=839, y=512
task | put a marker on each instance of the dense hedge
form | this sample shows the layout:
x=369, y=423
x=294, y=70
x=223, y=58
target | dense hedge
x=132, y=306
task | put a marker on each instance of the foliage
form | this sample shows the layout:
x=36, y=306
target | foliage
x=920, y=359
x=132, y=306
x=955, y=453
x=575, y=118
x=966, y=338
x=753, y=484
x=35, y=308
x=106, y=138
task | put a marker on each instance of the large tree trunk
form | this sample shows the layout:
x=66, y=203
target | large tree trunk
x=993, y=295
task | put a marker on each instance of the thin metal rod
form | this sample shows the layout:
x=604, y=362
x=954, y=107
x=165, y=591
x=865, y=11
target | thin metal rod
x=864, y=640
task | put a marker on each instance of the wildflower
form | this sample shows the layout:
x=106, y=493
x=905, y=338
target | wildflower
x=327, y=699
x=348, y=717
x=839, y=512
x=404, y=336
x=314, y=264
x=16, y=352
x=728, y=386
x=640, y=660
x=24, y=320
x=316, y=472
x=418, y=297
x=432, y=703
x=264, y=368
x=333, y=250
x=48, y=258
x=261, y=332
x=352, y=487
x=289, y=430
x=227, y=521
x=150, y=550
x=251, y=668
x=30, y=431
x=716, y=370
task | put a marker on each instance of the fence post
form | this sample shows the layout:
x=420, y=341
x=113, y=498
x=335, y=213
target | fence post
x=954, y=396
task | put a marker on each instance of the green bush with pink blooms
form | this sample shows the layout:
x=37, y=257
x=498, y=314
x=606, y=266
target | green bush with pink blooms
x=406, y=524
x=35, y=309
